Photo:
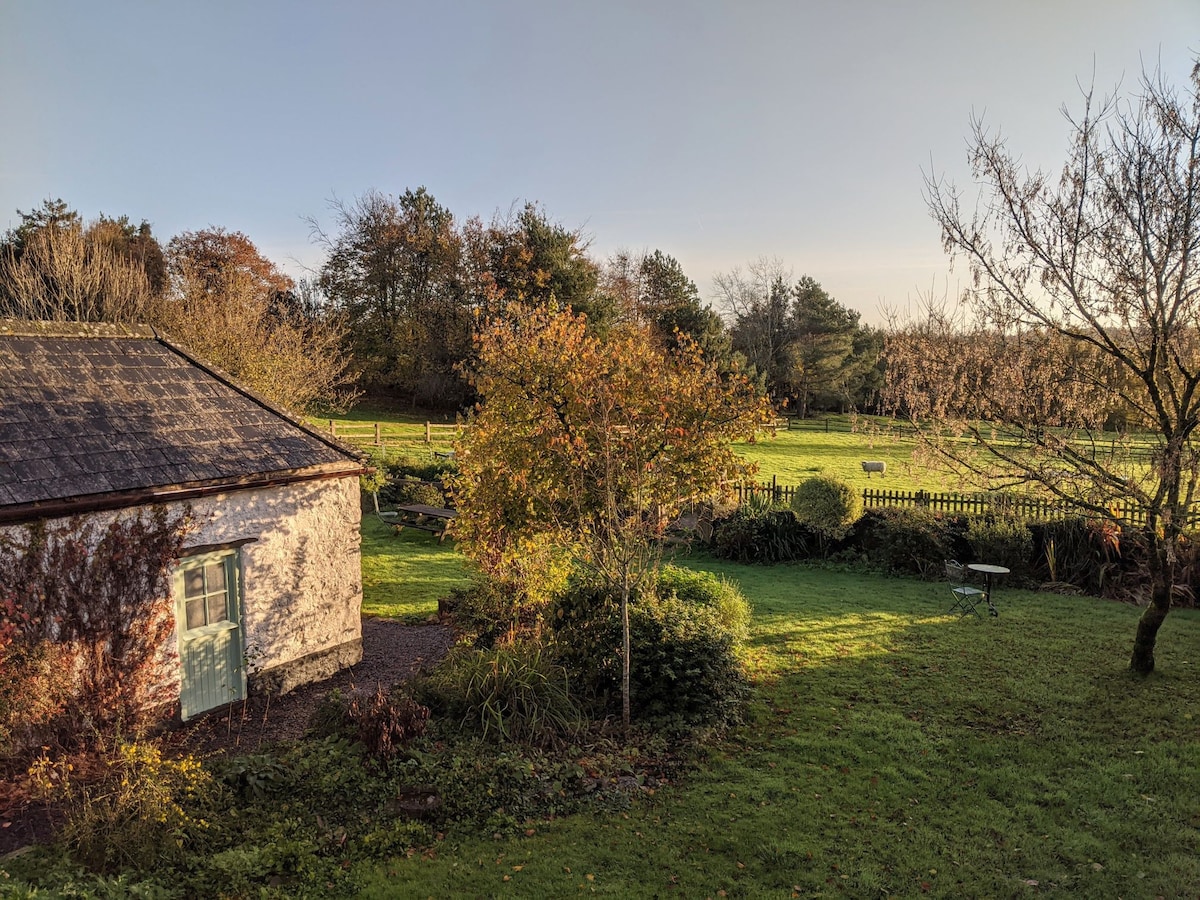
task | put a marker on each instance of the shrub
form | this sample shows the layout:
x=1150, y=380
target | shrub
x=828, y=505
x=773, y=537
x=146, y=812
x=410, y=479
x=428, y=468
x=759, y=503
x=385, y=721
x=685, y=640
x=374, y=481
x=405, y=491
x=1003, y=541
x=515, y=693
x=1084, y=553
x=407, y=478
x=35, y=691
x=329, y=718
x=904, y=541
x=735, y=537
x=492, y=612
x=711, y=591
x=253, y=777
x=686, y=662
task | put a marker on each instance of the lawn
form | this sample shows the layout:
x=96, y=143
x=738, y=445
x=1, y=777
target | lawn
x=405, y=574
x=891, y=750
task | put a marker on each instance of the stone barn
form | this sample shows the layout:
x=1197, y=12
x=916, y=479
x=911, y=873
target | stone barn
x=99, y=420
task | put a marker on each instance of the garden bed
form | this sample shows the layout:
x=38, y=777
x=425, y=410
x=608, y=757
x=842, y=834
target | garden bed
x=392, y=652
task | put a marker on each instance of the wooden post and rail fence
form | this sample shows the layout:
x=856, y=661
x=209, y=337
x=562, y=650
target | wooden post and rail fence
x=372, y=432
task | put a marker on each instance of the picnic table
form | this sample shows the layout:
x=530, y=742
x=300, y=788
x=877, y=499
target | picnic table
x=427, y=518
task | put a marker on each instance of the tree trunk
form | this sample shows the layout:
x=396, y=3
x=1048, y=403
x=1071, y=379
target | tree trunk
x=625, y=656
x=1142, y=660
x=1162, y=581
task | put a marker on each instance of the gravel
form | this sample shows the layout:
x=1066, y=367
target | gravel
x=392, y=653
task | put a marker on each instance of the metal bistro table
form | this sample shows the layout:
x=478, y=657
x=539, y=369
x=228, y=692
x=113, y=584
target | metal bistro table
x=988, y=572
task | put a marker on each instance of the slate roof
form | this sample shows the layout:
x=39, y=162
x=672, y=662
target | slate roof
x=89, y=411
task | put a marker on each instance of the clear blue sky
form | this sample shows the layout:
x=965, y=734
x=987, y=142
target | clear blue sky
x=716, y=131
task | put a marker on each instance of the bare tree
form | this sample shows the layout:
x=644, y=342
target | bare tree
x=236, y=310
x=621, y=279
x=757, y=302
x=71, y=274
x=1084, y=299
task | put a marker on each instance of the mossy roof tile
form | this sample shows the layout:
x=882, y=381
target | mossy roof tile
x=86, y=410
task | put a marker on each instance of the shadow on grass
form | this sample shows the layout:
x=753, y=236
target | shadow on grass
x=894, y=750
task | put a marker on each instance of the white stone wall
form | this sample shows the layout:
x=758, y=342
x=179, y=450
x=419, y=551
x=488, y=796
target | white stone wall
x=302, y=571
x=302, y=589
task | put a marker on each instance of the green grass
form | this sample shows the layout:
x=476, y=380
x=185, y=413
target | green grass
x=893, y=750
x=404, y=575
x=794, y=456
x=790, y=456
x=399, y=430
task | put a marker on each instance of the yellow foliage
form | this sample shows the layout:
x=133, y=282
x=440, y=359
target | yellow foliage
x=579, y=439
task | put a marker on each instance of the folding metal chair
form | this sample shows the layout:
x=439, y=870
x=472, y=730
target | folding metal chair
x=966, y=596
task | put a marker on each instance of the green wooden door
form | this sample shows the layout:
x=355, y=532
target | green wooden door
x=208, y=626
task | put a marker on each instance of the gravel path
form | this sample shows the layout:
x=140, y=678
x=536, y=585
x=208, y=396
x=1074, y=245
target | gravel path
x=392, y=652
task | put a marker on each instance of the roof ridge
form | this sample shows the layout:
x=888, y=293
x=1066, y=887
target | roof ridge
x=36, y=328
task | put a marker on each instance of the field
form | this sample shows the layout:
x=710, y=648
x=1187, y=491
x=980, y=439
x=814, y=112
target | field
x=892, y=750
x=788, y=456
x=794, y=456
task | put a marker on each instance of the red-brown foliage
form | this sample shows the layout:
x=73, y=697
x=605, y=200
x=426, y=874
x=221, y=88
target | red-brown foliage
x=86, y=614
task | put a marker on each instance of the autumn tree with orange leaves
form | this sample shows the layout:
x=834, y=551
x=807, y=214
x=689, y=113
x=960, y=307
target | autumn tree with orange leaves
x=584, y=447
x=236, y=310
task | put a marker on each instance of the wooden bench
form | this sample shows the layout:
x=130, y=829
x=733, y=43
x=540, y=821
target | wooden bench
x=416, y=515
